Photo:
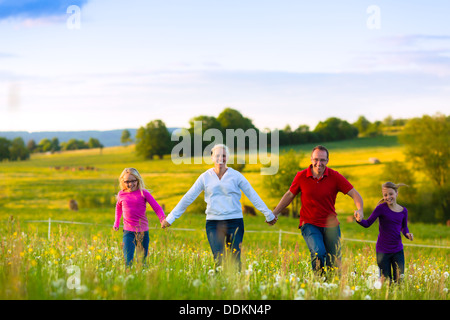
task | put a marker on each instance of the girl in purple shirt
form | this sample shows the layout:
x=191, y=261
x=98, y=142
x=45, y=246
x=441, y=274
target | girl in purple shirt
x=131, y=204
x=393, y=220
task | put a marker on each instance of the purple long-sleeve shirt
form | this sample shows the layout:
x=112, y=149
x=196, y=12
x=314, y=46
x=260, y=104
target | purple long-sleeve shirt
x=391, y=224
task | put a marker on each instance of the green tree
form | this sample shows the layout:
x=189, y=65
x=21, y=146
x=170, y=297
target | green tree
x=362, y=124
x=154, y=139
x=4, y=148
x=126, y=139
x=94, y=143
x=427, y=146
x=279, y=183
x=31, y=145
x=427, y=142
x=233, y=119
x=45, y=145
x=74, y=144
x=208, y=122
x=333, y=129
x=18, y=150
x=55, y=145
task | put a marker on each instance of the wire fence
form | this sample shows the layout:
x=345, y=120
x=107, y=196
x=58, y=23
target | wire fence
x=280, y=232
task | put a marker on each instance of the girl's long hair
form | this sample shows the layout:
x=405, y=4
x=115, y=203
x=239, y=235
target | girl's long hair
x=134, y=173
x=391, y=185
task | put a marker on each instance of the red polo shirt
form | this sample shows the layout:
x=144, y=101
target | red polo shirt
x=318, y=196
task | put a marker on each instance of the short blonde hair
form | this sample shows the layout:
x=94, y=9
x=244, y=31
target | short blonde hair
x=221, y=145
x=134, y=173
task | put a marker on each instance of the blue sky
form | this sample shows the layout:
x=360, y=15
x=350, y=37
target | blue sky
x=277, y=62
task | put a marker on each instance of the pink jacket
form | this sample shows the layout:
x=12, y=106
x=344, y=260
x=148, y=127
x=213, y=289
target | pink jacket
x=133, y=206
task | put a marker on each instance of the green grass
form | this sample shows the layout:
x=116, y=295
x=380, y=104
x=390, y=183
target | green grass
x=179, y=265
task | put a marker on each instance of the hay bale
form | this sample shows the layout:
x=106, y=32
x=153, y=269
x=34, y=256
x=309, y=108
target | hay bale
x=73, y=205
x=248, y=210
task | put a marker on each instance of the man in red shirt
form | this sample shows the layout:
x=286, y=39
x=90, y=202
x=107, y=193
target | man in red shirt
x=318, y=186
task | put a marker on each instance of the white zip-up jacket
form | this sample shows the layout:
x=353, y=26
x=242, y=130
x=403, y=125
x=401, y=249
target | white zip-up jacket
x=222, y=196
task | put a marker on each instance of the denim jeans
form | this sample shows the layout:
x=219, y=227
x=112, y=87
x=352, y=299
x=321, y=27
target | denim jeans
x=225, y=234
x=324, y=245
x=396, y=261
x=130, y=241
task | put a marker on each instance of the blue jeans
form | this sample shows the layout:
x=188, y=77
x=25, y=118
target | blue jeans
x=225, y=233
x=324, y=245
x=396, y=261
x=131, y=240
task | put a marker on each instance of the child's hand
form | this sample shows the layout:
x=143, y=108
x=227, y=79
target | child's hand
x=165, y=224
x=410, y=236
x=116, y=228
x=357, y=216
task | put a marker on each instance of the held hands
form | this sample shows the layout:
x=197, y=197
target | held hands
x=410, y=236
x=272, y=222
x=359, y=215
x=165, y=224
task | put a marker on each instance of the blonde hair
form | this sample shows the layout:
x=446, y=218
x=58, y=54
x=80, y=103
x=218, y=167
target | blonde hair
x=217, y=146
x=134, y=173
x=393, y=186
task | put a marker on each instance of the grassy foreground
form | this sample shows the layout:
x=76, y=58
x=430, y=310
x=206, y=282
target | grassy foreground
x=84, y=261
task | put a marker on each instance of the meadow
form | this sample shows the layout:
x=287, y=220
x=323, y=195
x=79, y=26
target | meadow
x=84, y=261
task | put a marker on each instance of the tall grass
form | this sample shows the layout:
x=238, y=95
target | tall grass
x=85, y=261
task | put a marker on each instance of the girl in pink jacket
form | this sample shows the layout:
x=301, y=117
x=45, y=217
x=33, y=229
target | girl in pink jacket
x=131, y=204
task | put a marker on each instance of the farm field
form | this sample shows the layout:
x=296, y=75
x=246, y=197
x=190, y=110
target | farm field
x=83, y=259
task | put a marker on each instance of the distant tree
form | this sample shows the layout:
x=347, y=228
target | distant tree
x=18, y=150
x=388, y=121
x=427, y=145
x=279, y=183
x=368, y=129
x=55, y=145
x=126, y=139
x=74, y=144
x=154, y=139
x=233, y=119
x=45, y=145
x=208, y=122
x=333, y=129
x=94, y=143
x=31, y=145
x=303, y=135
x=4, y=148
x=362, y=124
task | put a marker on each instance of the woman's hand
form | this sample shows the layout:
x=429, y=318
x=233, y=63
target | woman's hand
x=116, y=228
x=165, y=224
x=410, y=236
x=272, y=222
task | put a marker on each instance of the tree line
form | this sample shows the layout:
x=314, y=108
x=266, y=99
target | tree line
x=16, y=149
x=426, y=143
x=155, y=140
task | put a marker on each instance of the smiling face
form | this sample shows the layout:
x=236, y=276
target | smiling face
x=219, y=157
x=129, y=182
x=319, y=161
x=389, y=196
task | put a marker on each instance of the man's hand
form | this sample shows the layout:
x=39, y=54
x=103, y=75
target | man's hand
x=272, y=222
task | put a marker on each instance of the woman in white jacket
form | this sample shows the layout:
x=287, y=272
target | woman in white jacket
x=224, y=219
